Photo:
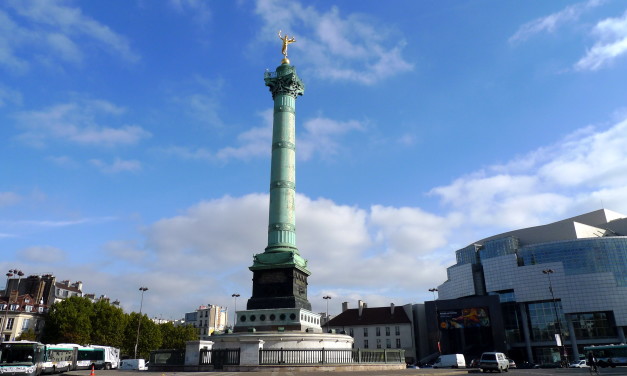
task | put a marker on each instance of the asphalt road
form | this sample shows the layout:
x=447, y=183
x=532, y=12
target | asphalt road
x=618, y=371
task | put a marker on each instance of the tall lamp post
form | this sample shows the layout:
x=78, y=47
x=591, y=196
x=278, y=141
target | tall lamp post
x=327, y=298
x=235, y=296
x=139, y=322
x=7, y=292
x=6, y=307
x=558, y=325
x=437, y=322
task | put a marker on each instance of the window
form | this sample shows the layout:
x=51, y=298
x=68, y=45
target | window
x=592, y=325
x=365, y=332
x=10, y=323
x=398, y=343
x=397, y=330
x=387, y=330
x=14, y=307
x=378, y=343
x=378, y=331
x=29, y=308
x=542, y=320
x=388, y=343
x=350, y=332
x=25, y=324
x=365, y=344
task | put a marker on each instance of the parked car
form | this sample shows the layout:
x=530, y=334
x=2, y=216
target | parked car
x=579, y=364
x=493, y=361
x=474, y=363
x=512, y=364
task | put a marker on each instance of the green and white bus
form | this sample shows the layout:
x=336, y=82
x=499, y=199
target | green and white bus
x=609, y=355
x=59, y=358
x=21, y=358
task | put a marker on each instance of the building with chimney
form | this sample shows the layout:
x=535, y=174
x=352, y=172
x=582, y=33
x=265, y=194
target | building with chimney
x=378, y=327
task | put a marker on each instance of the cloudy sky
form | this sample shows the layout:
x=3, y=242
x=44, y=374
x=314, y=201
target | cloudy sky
x=136, y=138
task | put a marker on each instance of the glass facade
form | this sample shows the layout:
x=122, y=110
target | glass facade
x=582, y=256
x=542, y=321
x=593, y=325
x=467, y=255
x=499, y=247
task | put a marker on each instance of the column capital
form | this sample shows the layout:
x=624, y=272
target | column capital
x=284, y=81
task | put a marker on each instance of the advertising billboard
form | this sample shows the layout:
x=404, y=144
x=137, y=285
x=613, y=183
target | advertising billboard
x=475, y=317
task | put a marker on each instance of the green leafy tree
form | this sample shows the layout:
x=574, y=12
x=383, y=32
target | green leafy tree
x=150, y=337
x=27, y=335
x=69, y=321
x=108, y=324
x=174, y=337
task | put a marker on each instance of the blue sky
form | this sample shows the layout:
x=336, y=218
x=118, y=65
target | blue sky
x=136, y=138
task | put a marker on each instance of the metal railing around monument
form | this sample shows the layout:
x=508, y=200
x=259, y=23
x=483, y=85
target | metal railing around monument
x=329, y=356
x=219, y=357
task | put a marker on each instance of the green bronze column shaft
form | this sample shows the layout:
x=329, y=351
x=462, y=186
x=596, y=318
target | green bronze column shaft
x=285, y=86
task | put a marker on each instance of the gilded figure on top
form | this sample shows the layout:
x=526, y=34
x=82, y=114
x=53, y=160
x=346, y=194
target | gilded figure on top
x=286, y=40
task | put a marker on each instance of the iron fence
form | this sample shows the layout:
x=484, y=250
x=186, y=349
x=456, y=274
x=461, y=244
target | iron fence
x=329, y=356
x=219, y=357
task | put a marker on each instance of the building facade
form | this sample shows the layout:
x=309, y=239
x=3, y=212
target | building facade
x=207, y=320
x=565, y=280
x=378, y=327
x=19, y=314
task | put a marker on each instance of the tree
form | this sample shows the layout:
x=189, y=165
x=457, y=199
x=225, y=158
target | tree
x=149, y=338
x=108, y=324
x=174, y=337
x=27, y=335
x=69, y=321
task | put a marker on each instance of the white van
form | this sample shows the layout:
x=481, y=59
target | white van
x=136, y=364
x=494, y=361
x=450, y=360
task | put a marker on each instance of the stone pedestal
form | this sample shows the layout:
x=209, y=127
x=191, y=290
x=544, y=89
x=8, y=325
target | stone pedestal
x=278, y=320
x=249, y=351
x=192, y=351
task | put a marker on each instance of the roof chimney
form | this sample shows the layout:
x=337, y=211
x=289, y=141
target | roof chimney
x=344, y=306
x=391, y=308
x=361, y=305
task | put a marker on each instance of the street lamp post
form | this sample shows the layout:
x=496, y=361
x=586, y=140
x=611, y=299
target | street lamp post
x=6, y=307
x=139, y=322
x=327, y=298
x=558, y=324
x=437, y=322
x=235, y=296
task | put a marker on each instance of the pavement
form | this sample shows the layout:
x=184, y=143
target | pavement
x=618, y=371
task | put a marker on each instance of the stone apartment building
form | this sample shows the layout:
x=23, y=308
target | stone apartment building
x=378, y=327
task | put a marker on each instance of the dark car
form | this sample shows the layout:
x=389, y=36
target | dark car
x=474, y=363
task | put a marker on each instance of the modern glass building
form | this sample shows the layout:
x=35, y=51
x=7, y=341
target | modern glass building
x=567, y=278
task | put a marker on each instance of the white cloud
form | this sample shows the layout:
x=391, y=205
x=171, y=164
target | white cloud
x=551, y=22
x=54, y=28
x=351, y=48
x=612, y=43
x=9, y=198
x=360, y=250
x=319, y=136
x=199, y=9
x=77, y=123
x=202, y=105
x=42, y=255
x=9, y=96
x=118, y=165
x=577, y=174
x=322, y=136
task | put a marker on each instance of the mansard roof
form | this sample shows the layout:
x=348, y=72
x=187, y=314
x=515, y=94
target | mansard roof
x=371, y=316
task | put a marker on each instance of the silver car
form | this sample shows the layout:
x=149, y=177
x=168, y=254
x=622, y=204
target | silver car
x=494, y=361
